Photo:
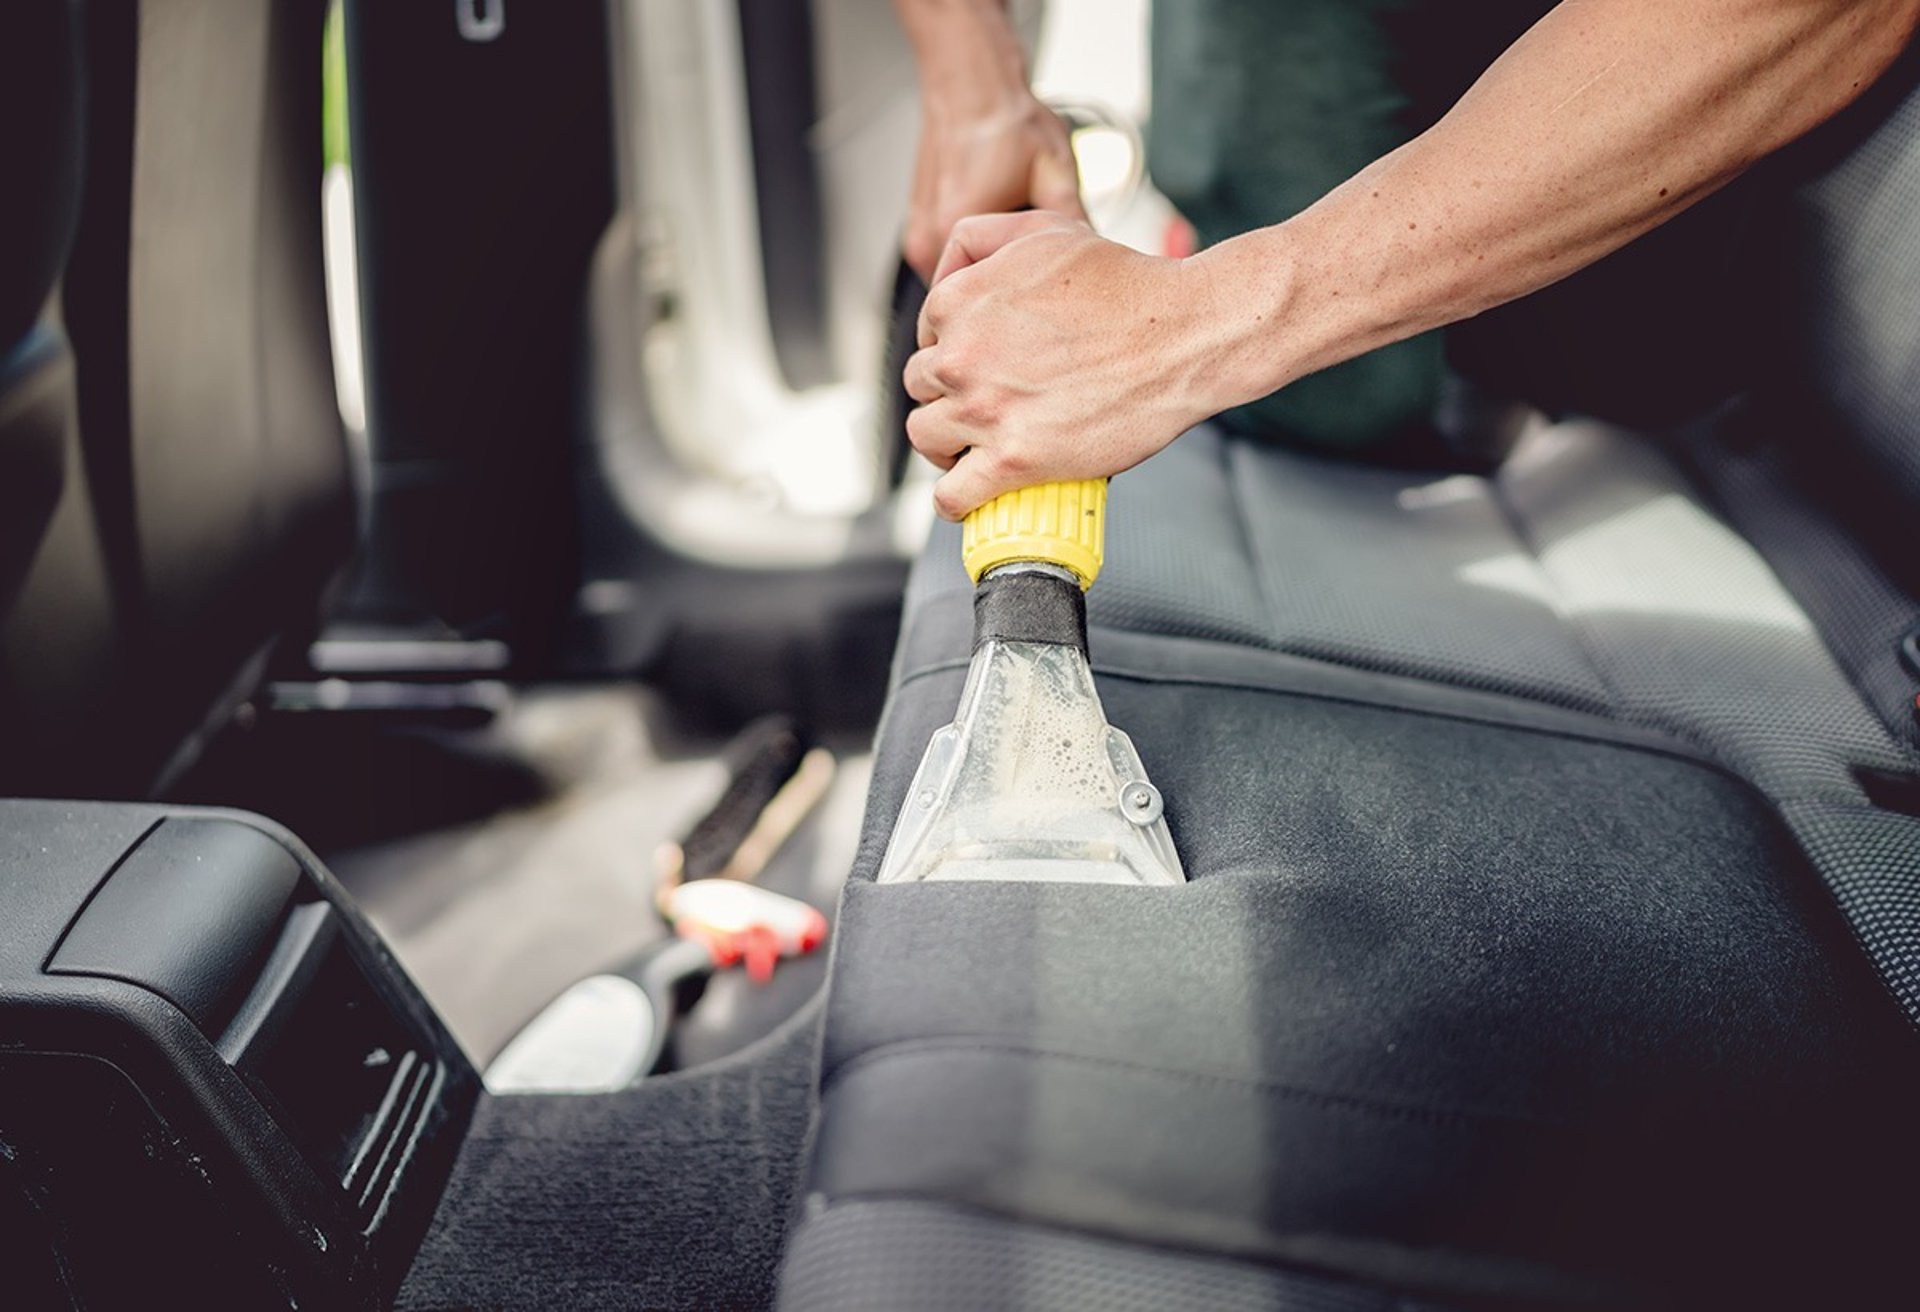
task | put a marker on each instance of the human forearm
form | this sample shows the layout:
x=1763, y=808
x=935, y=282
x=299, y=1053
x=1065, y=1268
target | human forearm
x=986, y=144
x=966, y=51
x=1606, y=119
x=1048, y=353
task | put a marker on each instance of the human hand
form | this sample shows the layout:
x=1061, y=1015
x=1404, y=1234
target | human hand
x=1006, y=152
x=1048, y=353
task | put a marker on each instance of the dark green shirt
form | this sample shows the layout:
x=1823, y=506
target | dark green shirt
x=1261, y=107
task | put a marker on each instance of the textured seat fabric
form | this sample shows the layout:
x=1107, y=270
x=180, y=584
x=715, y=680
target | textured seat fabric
x=1586, y=574
x=868, y=1257
x=1553, y=932
x=1501, y=974
x=1821, y=468
x=1853, y=335
x=1203, y=549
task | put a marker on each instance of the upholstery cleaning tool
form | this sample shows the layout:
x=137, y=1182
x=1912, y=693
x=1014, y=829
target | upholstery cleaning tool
x=776, y=778
x=745, y=924
x=606, y=1031
x=611, y=1029
x=1030, y=782
x=704, y=884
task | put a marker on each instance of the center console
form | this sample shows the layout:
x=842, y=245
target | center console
x=217, y=1087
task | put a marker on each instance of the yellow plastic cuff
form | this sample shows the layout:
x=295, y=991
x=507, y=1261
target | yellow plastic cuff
x=1056, y=523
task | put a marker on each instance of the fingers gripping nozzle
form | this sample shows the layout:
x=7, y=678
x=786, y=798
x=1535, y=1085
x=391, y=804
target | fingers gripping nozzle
x=1030, y=782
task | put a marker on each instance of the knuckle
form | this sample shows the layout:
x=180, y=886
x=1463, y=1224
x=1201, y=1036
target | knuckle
x=920, y=378
x=987, y=406
x=938, y=306
x=974, y=410
x=954, y=364
x=1015, y=460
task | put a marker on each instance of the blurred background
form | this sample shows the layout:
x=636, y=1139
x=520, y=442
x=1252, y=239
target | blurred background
x=609, y=296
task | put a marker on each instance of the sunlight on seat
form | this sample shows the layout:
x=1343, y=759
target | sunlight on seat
x=1449, y=491
x=1511, y=573
x=1668, y=557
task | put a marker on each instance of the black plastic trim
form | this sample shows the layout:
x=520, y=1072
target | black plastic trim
x=187, y=914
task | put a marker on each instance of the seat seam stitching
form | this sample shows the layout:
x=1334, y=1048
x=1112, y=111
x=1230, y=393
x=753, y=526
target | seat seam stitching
x=970, y=1043
x=1243, y=532
x=1505, y=684
x=1646, y=718
x=1255, y=1260
x=1680, y=749
x=1576, y=630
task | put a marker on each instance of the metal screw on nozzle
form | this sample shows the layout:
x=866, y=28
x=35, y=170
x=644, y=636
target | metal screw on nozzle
x=1140, y=802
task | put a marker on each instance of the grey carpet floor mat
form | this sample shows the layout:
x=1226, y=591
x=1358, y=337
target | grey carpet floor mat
x=675, y=1194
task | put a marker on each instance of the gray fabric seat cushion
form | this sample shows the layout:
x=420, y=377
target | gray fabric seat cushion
x=1225, y=541
x=1472, y=1009
x=1518, y=808
x=1688, y=626
x=1586, y=575
x=1499, y=975
x=881, y=1257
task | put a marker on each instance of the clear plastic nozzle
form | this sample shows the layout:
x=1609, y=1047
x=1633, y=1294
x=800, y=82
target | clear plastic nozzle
x=1030, y=782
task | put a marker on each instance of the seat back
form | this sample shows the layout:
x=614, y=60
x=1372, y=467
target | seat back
x=1852, y=320
x=193, y=500
x=58, y=623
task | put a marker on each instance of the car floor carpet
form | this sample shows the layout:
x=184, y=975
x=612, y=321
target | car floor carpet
x=673, y=1194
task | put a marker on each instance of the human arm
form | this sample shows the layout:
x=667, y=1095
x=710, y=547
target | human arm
x=986, y=143
x=1051, y=354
